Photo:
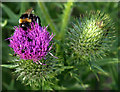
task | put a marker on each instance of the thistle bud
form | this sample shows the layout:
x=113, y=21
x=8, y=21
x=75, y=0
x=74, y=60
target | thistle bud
x=91, y=36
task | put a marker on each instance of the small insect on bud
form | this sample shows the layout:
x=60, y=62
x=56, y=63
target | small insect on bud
x=100, y=24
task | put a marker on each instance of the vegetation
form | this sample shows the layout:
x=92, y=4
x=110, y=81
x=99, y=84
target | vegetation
x=85, y=42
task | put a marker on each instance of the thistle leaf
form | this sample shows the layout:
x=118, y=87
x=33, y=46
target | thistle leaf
x=101, y=71
x=9, y=66
x=107, y=61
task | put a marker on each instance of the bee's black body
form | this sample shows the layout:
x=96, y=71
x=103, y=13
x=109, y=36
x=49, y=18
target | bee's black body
x=27, y=18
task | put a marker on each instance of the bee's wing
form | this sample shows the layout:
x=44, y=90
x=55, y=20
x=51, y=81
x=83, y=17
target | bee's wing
x=37, y=19
x=28, y=11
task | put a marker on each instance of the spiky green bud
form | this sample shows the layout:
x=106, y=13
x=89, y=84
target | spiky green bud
x=39, y=76
x=91, y=36
x=36, y=75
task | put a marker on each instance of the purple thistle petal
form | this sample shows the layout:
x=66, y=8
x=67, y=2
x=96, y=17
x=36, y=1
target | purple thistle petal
x=31, y=43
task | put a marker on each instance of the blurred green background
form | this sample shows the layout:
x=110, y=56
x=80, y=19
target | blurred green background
x=11, y=11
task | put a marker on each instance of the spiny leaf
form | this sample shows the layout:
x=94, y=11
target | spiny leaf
x=79, y=80
x=95, y=74
x=59, y=70
x=9, y=66
x=107, y=61
x=100, y=69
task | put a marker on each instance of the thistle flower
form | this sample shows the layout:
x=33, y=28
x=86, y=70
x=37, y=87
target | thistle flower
x=91, y=36
x=32, y=44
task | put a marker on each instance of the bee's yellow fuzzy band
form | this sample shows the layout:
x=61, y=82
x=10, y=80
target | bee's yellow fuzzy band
x=24, y=20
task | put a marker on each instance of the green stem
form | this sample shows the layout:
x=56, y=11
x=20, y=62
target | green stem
x=64, y=23
x=65, y=19
x=47, y=17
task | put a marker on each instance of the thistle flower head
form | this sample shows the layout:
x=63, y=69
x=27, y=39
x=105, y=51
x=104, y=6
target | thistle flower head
x=91, y=36
x=31, y=44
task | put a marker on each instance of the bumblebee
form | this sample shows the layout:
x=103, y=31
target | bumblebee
x=27, y=18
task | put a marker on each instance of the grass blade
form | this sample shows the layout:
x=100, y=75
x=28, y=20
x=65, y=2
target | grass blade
x=9, y=66
x=9, y=12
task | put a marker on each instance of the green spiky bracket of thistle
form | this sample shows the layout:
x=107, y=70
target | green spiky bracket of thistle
x=91, y=36
x=37, y=76
x=32, y=74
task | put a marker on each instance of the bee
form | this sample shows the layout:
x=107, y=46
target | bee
x=27, y=18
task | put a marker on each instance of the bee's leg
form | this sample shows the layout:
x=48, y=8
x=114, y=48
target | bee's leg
x=37, y=19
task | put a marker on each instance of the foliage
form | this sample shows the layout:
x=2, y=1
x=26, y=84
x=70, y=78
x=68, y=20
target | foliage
x=78, y=47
